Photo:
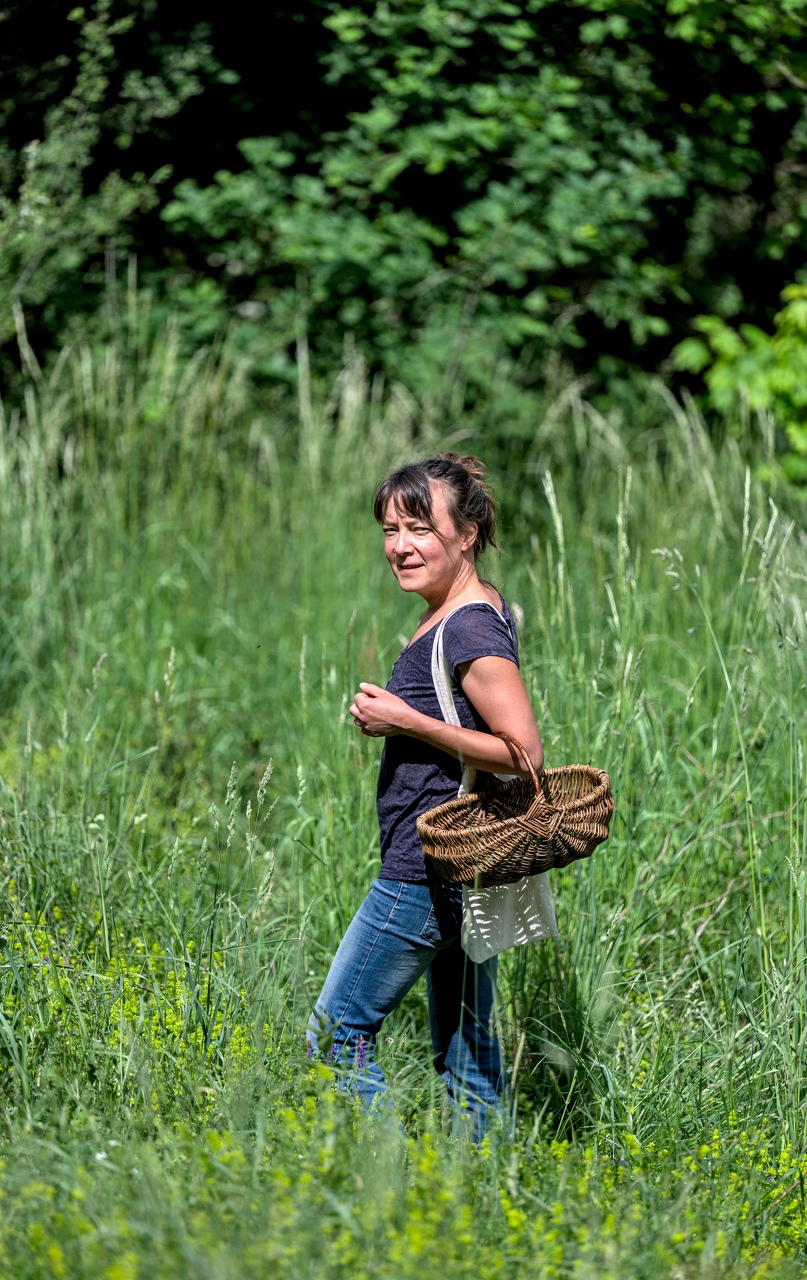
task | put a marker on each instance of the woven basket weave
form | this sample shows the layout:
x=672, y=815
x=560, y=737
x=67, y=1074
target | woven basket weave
x=506, y=830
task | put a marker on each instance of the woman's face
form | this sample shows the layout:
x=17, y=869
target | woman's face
x=423, y=559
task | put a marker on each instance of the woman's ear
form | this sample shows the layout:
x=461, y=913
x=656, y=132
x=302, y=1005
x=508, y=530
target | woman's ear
x=470, y=537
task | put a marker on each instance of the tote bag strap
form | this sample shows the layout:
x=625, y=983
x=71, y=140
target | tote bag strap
x=441, y=677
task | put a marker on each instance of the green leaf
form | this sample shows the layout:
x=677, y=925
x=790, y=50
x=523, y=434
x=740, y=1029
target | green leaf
x=691, y=355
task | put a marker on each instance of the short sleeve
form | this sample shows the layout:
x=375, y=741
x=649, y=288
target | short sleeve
x=478, y=631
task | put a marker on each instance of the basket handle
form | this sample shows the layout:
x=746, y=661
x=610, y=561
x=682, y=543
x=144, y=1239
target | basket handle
x=514, y=742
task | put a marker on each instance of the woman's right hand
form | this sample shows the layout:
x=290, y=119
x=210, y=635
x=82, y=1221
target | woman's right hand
x=379, y=713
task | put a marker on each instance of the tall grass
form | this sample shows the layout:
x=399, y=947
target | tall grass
x=191, y=586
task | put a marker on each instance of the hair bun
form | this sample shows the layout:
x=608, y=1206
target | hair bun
x=476, y=469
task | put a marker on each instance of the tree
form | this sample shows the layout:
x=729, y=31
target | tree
x=52, y=223
x=504, y=180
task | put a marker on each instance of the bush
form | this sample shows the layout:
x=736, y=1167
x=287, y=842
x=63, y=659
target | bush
x=750, y=371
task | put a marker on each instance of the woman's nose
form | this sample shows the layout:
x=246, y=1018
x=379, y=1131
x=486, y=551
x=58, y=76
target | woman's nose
x=402, y=543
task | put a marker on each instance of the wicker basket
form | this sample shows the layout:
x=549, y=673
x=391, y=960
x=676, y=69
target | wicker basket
x=506, y=830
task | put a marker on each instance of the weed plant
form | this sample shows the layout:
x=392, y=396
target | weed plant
x=190, y=590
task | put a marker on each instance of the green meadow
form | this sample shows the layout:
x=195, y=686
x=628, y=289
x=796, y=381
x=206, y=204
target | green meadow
x=191, y=587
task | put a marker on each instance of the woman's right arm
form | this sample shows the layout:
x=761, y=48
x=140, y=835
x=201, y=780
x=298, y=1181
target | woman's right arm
x=495, y=688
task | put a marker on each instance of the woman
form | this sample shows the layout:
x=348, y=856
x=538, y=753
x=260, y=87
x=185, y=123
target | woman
x=438, y=517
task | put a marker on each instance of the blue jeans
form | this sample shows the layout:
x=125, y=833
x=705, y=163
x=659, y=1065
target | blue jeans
x=400, y=931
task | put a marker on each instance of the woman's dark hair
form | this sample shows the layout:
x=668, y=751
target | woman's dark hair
x=469, y=496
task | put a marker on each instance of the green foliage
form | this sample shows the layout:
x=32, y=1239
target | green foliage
x=325, y=1197
x=506, y=183
x=766, y=373
x=190, y=577
x=51, y=225
x=210, y=588
x=481, y=199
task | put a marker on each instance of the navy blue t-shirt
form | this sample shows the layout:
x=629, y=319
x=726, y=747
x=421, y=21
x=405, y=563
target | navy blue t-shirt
x=415, y=776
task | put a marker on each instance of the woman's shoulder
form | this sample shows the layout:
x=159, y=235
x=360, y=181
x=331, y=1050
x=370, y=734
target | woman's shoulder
x=493, y=608
x=481, y=629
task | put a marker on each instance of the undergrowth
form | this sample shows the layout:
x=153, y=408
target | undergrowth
x=189, y=594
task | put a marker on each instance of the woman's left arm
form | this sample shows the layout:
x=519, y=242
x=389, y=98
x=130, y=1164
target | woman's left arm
x=496, y=690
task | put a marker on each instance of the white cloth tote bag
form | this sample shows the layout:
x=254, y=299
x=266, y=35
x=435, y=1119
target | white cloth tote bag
x=506, y=915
